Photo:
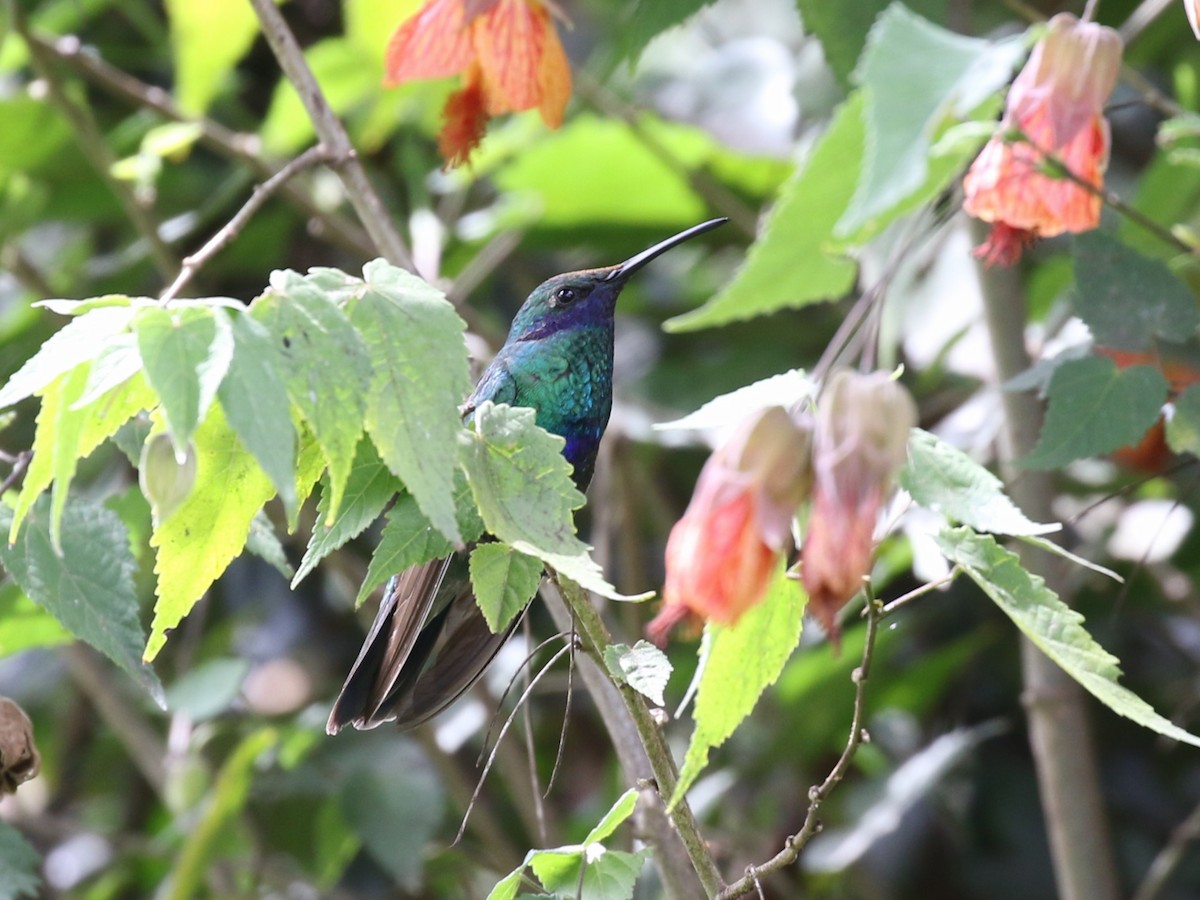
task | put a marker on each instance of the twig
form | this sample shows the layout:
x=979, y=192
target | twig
x=332, y=134
x=19, y=465
x=1169, y=857
x=905, y=599
x=93, y=146
x=192, y=264
x=818, y=794
x=595, y=640
x=1142, y=17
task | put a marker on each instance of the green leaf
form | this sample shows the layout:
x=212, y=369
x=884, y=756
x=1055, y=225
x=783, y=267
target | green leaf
x=264, y=543
x=24, y=624
x=621, y=810
x=842, y=30
x=80, y=340
x=1183, y=428
x=226, y=799
x=204, y=534
x=419, y=377
x=1052, y=625
x=326, y=366
x=504, y=582
x=19, y=864
x=643, y=667
x=785, y=389
x=368, y=490
x=914, y=74
x=1128, y=299
x=947, y=481
x=256, y=405
x=789, y=264
x=208, y=689
x=207, y=40
x=1096, y=408
x=90, y=587
x=607, y=874
x=185, y=353
x=743, y=661
x=648, y=21
x=522, y=486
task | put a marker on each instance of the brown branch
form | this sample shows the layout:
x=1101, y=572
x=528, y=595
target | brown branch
x=1169, y=857
x=192, y=264
x=93, y=146
x=332, y=134
x=20, y=464
x=818, y=794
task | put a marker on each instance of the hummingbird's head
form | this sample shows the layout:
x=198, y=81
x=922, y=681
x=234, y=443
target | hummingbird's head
x=589, y=296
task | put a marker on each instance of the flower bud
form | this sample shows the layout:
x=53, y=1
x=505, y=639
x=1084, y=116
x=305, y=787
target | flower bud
x=19, y=760
x=165, y=480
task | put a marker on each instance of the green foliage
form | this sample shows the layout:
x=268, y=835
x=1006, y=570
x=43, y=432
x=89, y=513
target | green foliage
x=25, y=625
x=504, y=581
x=1183, y=428
x=208, y=39
x=18, y=865
x=1056, y=628
x=648, y=20
x=739, y=664
x=1127, y=299
x=643, y=667
x=1096, y=408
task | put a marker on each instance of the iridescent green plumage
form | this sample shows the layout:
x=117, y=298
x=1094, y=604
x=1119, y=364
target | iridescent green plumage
x=429, y=642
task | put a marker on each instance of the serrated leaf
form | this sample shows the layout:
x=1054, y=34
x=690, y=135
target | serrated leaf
x=326, y=366
x=419, y=377
x=607, y=874
x=185, y=354
x=947, y=481
x=1128, y=299
x=1096, y=408
x=19, y=864
x=643, y=667
x=80, y=340
x=789, y=264
x=1052, y=625
x=785, y=389
x=504, y=582
x=209, y=529
x=368, y=490
x=522, y=486
x=90, y=587
x=1183, y=428
x=842, y=30
x=914, y=74
x=264, y=543
x=117, y=363
x=621, y=810
x=256, y=405
x=743, y=661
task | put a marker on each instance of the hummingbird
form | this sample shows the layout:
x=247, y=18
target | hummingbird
x=429, y=642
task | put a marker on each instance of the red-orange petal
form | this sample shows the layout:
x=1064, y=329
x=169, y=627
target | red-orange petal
x=434, y=43
x=465, y=121
x=509, y=41
x=554, y=79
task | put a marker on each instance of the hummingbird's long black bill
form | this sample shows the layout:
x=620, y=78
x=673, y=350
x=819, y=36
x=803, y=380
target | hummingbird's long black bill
x=623, y=270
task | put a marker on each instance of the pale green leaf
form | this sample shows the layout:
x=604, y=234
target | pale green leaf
x=368, y=490
x=89, y=588
x=789, y=265
x=785, y=389
x=264, y=543
x=1127, y=299
x=209, y=529
x=914, y=75
x=19, y=864
x=1096, y=408
x=643, y=667
x=504, y=582
x=207, y=40
x=1183, y=428
x=326, y=366
x=419, y=377
x=24, y=624
x=256, y=405
x=607, y=874
x=621, y=810
x=208, y=689
x=116, y=364
x=80, y=340
x=647, y=21
x=185, y=354
x=947, y=481
x=743, y=661
x=1052, y=625
x=506, y=888
x=522, y=486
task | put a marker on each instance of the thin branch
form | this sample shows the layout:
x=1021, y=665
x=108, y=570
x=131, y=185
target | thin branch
x=332, y=134
x=1169, y=857
x=924, y=589
x=595, y=640
x=93, y=146
x=20, y=464
x=818, y=794
x=192, y=264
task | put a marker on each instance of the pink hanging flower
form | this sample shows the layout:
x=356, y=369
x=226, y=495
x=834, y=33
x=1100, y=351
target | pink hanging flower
x=1053, y=120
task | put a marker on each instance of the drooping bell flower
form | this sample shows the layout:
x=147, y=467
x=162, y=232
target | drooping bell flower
x=508, y=51
x=859, y=444
x=1192, y=8
x=1053, y=121
x=722, y=554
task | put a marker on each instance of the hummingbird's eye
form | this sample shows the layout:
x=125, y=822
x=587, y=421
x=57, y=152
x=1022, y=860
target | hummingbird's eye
x=564, y=296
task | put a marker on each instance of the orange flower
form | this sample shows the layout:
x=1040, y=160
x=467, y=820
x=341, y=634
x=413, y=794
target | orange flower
x=722, y=553
x=1053, y=120
x=859, y=443
x=508, y=52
